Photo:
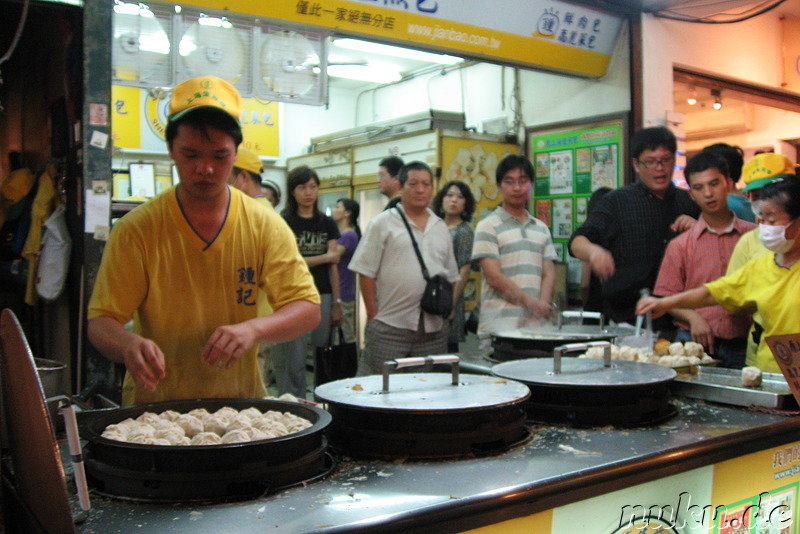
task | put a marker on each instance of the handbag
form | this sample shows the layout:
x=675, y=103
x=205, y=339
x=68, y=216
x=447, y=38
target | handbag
x=335, y=360
x=437, y=299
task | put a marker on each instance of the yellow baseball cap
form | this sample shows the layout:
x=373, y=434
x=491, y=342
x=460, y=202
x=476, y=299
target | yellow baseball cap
x=248, y=160
x=764, y=168
x=18, y=184
x=204, y=92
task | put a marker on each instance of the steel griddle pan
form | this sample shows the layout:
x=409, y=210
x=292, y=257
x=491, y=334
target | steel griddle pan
x=424, y=415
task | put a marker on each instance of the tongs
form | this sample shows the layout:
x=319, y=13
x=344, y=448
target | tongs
x=640, y=320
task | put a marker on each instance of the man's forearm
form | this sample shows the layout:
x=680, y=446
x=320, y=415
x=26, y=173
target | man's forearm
x=287, y=322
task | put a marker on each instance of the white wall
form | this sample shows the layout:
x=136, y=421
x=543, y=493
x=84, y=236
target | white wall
x=482, y=92
x=749, y=51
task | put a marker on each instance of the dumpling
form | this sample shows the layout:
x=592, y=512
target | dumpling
x=149, y=418
x=251, y=413
x=216, y=423
x=676, y=349
x=142, y=439
x=173, y=435
x=190, y=424
x=694, y=360
x=294, y=423
x=706, y=359
x=169, y=415
x=116, y=435
x=206, y=438
x=751, y=377
x=288, y=397
x=227, y=412
x=236, y=436
x=161, y=441
x=693, y=348
x=681, y=361
x=255, y=434
x=240, y=422
x=628, y=353
x=200, y=413
x=271, y=427
x=142, y=430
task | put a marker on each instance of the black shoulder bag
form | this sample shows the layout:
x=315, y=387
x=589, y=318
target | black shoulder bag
x=438, y=296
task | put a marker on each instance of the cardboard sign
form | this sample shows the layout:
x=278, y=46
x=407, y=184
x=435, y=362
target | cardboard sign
x=786, y=350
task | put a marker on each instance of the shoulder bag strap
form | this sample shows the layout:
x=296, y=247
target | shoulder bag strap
x=425, y=273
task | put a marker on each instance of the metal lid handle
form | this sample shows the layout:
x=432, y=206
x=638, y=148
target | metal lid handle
x=400, y=363
x=574, y=347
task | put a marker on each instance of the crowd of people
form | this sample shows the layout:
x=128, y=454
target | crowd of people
x=250, y=290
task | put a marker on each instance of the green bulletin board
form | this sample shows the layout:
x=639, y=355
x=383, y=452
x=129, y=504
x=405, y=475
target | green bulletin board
x=571, y=161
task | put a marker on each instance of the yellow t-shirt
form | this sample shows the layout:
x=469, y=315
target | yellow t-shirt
x=747, y=248
x=263, y=306
x=178, y=289
x=773, y=290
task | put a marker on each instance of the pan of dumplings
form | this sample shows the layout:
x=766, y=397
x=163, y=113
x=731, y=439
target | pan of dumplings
x=204, y=449
x=683, y=357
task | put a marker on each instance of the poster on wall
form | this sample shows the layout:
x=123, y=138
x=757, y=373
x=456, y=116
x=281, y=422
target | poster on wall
x=571, y=161
x=474, y=162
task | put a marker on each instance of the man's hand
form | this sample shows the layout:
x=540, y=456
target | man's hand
x=145, y=362
x=337, y=317
x=227, y=344
x=701, y=333
x=602, y=262
x=651, y=304
x=682, y=223
x=539, y=308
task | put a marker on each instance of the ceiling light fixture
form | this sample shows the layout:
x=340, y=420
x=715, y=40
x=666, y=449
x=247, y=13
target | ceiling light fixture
x=717, y=98
x=395, y=51
x=365, y=73
x=692, y=100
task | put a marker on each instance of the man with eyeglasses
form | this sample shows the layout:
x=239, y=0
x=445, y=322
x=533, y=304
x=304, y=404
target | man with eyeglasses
x=625, y=236
x=516, y=254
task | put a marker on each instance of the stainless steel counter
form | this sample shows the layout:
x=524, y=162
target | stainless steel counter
x=558, y=465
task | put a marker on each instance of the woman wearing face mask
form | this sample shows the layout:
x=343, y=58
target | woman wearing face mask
x=769, y=283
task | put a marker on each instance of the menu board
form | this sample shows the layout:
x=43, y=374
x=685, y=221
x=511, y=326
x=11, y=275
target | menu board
x=571, y=161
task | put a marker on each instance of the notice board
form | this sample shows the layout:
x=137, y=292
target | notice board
x=571, y=160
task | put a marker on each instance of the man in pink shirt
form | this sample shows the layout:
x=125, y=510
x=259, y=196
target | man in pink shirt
x=701, y=255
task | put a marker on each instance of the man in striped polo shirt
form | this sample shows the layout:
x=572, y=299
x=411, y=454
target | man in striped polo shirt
x=516, y=255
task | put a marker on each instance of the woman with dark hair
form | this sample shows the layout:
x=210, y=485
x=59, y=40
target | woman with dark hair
x=316, y=236
x=345, y=215
x=455, y=204
x=769, y=283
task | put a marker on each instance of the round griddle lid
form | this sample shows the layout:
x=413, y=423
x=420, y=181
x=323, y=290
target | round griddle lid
x=590, y=372
x=423, y=391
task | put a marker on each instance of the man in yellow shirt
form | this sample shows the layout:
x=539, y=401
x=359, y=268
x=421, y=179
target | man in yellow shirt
x=187, y=267
x=246, y=177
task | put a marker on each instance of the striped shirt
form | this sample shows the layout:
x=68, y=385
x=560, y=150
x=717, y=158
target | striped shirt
x=698, y=256
x=522, y=248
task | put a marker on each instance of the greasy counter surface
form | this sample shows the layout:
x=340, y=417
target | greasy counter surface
x=557, y=466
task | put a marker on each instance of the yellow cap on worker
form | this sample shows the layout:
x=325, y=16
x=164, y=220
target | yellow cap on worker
x=764, y=168
x=204, y=92
x=248, y=160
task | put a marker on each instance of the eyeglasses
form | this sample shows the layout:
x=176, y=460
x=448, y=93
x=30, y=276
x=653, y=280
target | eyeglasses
x=653, y=163
x=522, y=182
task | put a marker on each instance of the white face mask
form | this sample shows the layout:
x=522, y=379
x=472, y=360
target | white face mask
x=755, y=206
x=774, y=237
